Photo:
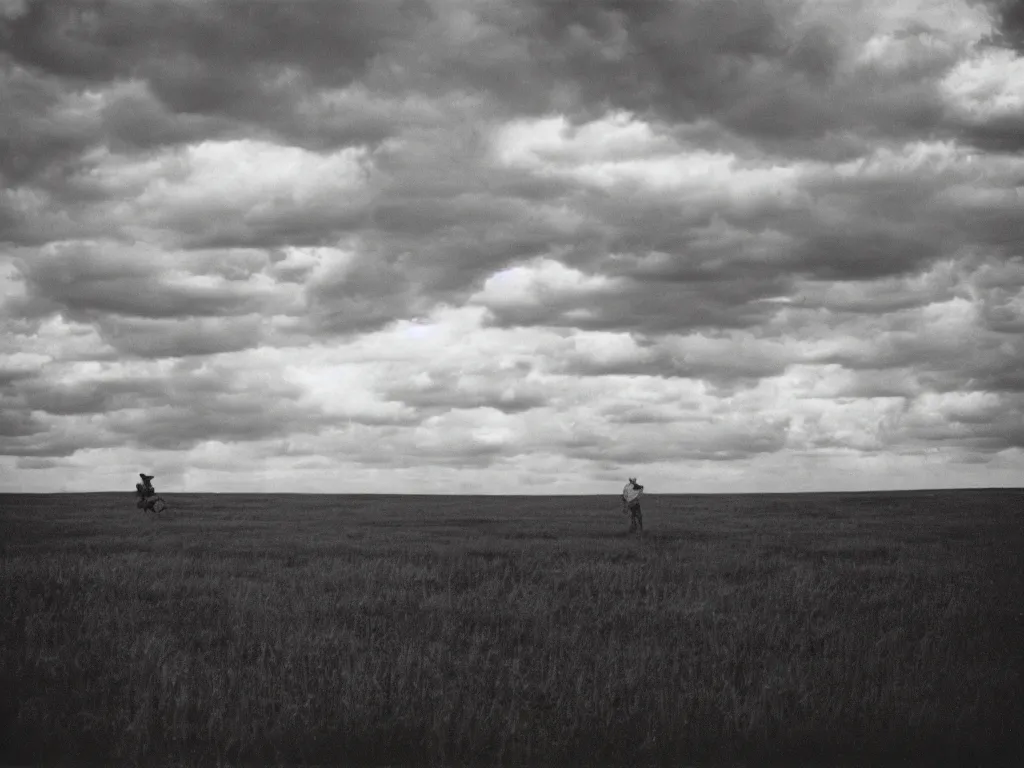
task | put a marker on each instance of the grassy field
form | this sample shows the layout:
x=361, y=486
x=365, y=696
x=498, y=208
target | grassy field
x=829, y=629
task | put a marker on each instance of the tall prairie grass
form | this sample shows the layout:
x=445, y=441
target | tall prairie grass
x=350, y=630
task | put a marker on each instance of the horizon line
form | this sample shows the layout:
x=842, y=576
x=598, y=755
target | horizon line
x=538, y=495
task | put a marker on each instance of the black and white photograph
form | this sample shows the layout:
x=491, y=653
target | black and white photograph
x=512, y=383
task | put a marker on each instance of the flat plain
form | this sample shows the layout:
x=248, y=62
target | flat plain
x=803, y=629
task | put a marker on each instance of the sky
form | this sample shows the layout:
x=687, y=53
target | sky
x=511, y=246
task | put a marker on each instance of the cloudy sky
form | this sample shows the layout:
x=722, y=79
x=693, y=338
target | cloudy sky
x=511, y=246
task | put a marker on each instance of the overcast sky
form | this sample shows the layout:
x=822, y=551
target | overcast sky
x=511, y=246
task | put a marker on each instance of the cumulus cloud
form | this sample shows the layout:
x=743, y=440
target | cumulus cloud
x=436, y=245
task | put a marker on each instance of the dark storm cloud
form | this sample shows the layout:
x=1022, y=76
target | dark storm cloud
x=136, y=76
x=1009, y=15
x=751, y=66
x=9, y=376
x=684, y=59
x=366, y=293
x=961, y=361
x=184, y=406
x=1002, y=133
x=19, y=423
x=863, y=256
x=849, y=228
x=133, y=119
x=49, y=125
x=652, y=306
x=756, y=69
x=89, y=281
x=31, y=137
x=227, y=418
x=141, y=307
x=441, y=221
x=144, y=337
x=884, y=296
x=1001, y=314
x=28, y=432
x=90, y=396
x=145, y=303
x=206, y=56
x=994, y=426
x=696, y=266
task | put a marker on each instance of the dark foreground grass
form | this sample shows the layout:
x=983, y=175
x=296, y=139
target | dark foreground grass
x=819, y=629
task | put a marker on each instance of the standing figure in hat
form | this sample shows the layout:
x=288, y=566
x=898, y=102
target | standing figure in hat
x=147, y=494
x=631, y=501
